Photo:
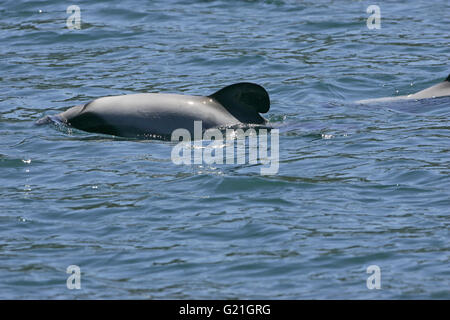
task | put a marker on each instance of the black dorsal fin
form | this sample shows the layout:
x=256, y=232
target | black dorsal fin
x=244, y=101
x=448, y=78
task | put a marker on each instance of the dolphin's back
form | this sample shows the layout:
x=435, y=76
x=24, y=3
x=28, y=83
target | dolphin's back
x=157, y=114
x=147, y=113
x=441, y=89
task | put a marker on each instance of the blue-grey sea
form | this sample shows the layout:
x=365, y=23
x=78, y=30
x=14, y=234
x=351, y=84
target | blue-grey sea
x=357, y=185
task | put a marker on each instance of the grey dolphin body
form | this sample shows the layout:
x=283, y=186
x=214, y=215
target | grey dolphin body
x=439, y=90
x=156, y=114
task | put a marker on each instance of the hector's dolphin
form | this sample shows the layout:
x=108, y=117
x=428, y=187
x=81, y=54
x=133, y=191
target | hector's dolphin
x=439, y=90
x=158, y=115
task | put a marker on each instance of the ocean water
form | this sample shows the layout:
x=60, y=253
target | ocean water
x=357, y=185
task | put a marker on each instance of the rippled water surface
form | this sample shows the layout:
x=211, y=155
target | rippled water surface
x=358, y=185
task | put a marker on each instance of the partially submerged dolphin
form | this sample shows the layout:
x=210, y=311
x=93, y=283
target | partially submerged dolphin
x=439, y=90
x=158, y=115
